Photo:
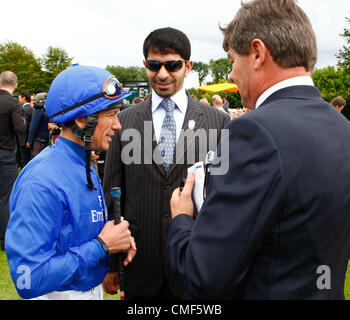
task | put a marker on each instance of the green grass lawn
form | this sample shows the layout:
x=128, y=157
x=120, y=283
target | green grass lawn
x=347, y=283
x=7, y=288
x=8, y=291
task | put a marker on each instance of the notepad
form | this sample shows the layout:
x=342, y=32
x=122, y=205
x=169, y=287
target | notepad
x=199, y=175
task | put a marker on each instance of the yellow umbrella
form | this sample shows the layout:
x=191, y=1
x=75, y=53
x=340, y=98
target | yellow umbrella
x=231, y=87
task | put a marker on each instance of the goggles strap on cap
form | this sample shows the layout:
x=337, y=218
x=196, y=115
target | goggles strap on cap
x=111, y=89
x=76, y=106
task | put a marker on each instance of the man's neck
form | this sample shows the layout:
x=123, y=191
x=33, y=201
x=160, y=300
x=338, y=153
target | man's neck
x=295, y=81
x=287, y=73
x=9, y=90
x=180, y=98
x=280, y=74
x=69, y=135
x=179, y=92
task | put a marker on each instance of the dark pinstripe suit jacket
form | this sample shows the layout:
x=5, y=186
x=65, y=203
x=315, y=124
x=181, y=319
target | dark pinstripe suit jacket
x=147, y=189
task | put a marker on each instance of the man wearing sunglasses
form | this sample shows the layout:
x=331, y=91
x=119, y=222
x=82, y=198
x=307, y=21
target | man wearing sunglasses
x=147, y=186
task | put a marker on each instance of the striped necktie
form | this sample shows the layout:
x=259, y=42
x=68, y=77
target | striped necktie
x=167, y=139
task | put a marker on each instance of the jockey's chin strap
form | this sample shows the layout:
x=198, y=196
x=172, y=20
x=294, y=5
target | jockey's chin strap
x=85, y=134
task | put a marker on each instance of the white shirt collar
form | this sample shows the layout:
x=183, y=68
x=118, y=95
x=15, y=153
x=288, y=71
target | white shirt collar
x=296, y=81
x=180, y=98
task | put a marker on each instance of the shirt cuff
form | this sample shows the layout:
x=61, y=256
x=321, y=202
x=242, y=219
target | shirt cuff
x=101, y=252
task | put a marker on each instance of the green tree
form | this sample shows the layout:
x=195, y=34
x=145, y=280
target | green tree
x=53, y=62
x=333, y=82
x=344, y=54
x=220, y=69
x=128, y=73
x=202, y=69
x=22, y=61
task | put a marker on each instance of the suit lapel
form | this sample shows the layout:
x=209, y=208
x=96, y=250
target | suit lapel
x=148, y=140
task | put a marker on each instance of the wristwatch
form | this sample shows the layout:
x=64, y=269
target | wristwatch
x=103, y=245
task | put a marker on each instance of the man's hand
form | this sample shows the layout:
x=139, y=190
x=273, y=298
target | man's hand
x=51, y=126
x=117, y=237
x=110, y=283
x=94, y=156
x=181, y=201
x=131, y=252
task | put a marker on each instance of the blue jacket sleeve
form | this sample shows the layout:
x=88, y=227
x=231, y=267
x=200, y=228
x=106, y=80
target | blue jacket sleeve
x=32, y=235
x=211, y=254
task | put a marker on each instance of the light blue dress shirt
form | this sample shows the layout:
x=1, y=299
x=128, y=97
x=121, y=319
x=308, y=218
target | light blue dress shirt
x=158, y=113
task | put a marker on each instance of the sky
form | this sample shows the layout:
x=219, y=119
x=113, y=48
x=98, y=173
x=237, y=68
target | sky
x=111, y=32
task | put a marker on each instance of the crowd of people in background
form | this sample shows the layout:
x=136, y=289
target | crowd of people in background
x=222, y=104
x=41, y=133
x=38, y=131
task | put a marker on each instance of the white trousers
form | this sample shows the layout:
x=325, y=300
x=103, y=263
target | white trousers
x=93, y=294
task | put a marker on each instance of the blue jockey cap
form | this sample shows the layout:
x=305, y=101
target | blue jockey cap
x=81, y=91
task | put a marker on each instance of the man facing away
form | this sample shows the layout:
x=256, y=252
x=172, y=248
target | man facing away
x=276, y=226
x=148, y=172
x=11, y=123
x=339, y=103
x=217, y=102
x=38, y=137
x=25, y=154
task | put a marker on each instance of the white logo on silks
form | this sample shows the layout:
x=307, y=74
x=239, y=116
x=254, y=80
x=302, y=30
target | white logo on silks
x=98, y=216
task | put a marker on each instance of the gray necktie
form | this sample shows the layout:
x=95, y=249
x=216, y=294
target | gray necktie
x=167, y=139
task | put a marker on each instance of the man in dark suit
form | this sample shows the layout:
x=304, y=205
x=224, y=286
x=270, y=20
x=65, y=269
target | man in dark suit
x=276, y=226
x=24, y=100
x=160, y=138
x=11, y=123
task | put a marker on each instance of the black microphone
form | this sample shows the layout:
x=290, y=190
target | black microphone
x=116, y=214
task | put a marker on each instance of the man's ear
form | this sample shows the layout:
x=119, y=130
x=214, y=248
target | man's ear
x=81, y=122
x=259, y=52
x=188, y=66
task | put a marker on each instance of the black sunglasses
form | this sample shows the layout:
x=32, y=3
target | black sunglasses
x=171, y=66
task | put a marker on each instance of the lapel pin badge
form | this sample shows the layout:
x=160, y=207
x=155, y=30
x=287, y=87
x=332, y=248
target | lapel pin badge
x=191, y=124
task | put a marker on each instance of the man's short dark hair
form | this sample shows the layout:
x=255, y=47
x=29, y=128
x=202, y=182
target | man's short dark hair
x=338, y=102
x=168, y=40
x=25, y=95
